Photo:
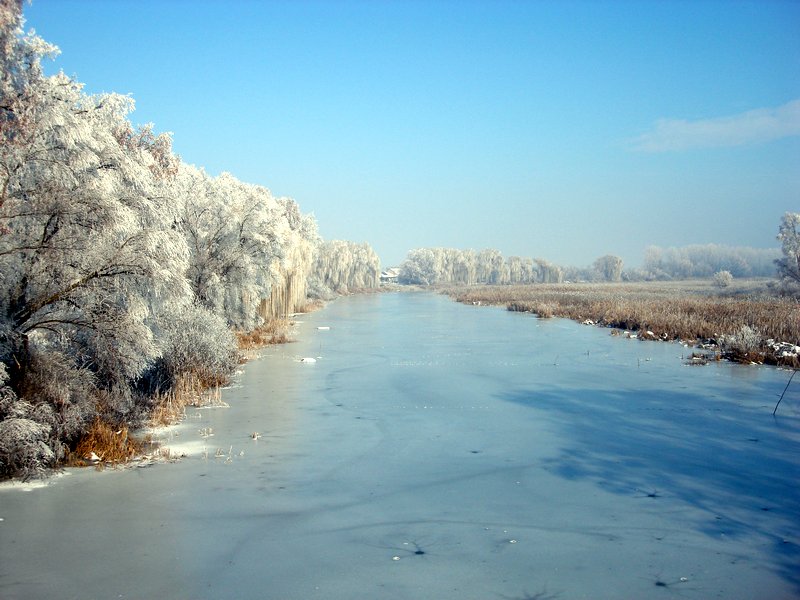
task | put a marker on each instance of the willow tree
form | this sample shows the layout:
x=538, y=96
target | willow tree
x=290, y=287
x=547, y=272
x=342, y=266
x=608, y=267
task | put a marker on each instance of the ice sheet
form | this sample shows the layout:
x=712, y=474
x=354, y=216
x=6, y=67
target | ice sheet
x=436, y=450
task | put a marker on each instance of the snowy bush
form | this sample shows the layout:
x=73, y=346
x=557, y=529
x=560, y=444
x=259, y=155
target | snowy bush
x=62, y=396
x=8, y=398
x=23, y=448
x=23, y=441
x=742, y=344
x=723, y=279
x=197, y=341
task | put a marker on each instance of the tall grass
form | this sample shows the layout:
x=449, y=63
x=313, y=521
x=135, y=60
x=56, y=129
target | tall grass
x=188, y=390
x=109, y=444
x=273, y=331
x=691, y=311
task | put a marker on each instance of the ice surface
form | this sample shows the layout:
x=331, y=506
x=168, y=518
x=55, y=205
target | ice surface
x=441, y=451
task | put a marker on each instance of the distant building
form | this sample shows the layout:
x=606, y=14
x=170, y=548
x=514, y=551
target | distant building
x=390, y=275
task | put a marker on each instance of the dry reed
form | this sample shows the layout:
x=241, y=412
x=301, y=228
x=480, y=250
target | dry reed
x=104, y=444
x=189, y=390
x=273, y=331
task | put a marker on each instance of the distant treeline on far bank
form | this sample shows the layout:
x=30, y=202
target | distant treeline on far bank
x=431, y=266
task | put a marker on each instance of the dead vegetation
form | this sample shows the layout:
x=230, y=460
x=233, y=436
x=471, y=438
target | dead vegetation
x=188, y=390
x=105, y=444
x=747, y=325
x=273, y=331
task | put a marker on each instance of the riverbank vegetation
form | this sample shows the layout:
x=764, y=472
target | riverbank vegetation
x=748, y=320
x=129, y=280
x=746, y=323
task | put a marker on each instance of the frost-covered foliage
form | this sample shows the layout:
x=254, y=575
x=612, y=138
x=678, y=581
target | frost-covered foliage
x=24, y=451
x=87, y=252
x=429, y=266
x=723, y=279
x=341, y=267
x=608, y=268
x=196, y=340
x=789, y=237
x=290, y=291
x=23, y=448
x=705, y=260
x=743, y=344
x=245, y=245
x=121, y=268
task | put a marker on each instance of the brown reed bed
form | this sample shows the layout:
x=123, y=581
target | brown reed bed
x=189, y=389
x=105, y=444
x=691, y=311
x=273, y=331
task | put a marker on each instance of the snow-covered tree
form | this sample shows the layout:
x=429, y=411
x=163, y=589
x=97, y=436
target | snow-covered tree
x=548, y=272
x=703, y=260
x=722, y=279
x=609, y=267
x=490, y=266
x=428, y=266
x=289, y=292
x=86, y=247
x=419, y=267
x=789, y=237
x=341, y=267
x=233, y=231
x=121, y=268
x=250, y=252
x=86, y=242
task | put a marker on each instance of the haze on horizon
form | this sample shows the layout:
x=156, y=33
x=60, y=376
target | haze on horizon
x=565, y=130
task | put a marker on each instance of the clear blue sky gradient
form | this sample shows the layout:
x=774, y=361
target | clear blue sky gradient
x=562, y=130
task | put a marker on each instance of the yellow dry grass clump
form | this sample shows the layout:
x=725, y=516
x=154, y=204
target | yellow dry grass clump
x=189, y=390
x=273, y=331
x=104, y=443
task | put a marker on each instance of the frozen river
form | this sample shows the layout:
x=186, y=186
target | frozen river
x=436, y=450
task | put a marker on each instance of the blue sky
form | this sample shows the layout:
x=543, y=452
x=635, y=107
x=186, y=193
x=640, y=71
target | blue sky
x=562, y=130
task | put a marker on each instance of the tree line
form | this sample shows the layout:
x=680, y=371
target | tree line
x=703, y=260
x=123, y=268
x=430, y=266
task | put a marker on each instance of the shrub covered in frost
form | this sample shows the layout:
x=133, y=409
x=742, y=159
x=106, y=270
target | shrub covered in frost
x=62, y=397
x=197, y=341
x=23, y=442
x=723, y=279
x=23, y=449
x=745, y=344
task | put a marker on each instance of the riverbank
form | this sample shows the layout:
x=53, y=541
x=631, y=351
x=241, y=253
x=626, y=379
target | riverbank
x=746, y=324
x=105, y=445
